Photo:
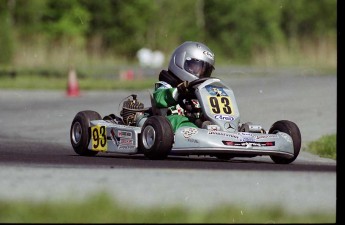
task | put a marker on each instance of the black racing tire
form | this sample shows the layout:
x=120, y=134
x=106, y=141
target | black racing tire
x=156, y=138
x=291, y=129
x=80, y=132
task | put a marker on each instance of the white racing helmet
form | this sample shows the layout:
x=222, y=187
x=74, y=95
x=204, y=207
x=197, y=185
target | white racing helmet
x=191, y=61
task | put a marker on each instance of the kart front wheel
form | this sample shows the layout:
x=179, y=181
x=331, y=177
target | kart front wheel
x=291, y=129
x=156, y=138
x=80, y=134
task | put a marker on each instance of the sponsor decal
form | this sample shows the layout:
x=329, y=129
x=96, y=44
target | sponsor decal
x=247, y=139
x=224, y=117
x=226, y=134
x=193, y=140
x=126, y=141
x=227, y=126
x=123, y=133
x=249, y=143
x=266, y=136
x=246, y=136
x=188, y=132
x=122, y=139
x=125, y=147
x=196, y=103
x=213, y=127
x=208, y=54
x=215, y=91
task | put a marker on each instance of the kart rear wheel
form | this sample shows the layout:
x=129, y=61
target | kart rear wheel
x=80, y=133
x=291, y=129
x=156, y=138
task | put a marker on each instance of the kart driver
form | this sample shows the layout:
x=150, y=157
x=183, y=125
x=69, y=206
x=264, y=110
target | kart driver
x=189, y=61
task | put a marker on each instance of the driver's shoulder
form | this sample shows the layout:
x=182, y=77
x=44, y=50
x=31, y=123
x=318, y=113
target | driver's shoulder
x=162, y=85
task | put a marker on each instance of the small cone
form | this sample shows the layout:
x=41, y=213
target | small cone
x=72, y=85
x=129, y=75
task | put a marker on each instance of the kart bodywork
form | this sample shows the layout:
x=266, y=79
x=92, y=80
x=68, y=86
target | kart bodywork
x=219, y=134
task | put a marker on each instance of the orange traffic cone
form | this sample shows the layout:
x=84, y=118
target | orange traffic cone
x=72, y=85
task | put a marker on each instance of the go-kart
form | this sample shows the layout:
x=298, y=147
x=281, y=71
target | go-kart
x=219, y=132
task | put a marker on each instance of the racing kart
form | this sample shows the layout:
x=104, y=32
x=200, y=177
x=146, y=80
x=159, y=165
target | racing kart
x=219, y=132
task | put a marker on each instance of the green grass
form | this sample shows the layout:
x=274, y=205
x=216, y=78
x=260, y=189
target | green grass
x=34, y=82
x=326, y=146
x=101, y=208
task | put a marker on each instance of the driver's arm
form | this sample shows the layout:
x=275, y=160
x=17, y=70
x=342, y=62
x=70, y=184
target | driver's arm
x=165, y=97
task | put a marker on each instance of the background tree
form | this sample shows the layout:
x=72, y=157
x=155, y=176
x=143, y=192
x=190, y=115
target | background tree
x=6, y=34
x=237, y=30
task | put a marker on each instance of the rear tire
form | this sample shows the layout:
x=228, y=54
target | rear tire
x=156, y=138
x=80, y=132
x=291, y=129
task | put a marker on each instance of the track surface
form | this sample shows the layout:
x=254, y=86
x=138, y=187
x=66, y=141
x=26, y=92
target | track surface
x=38, y=162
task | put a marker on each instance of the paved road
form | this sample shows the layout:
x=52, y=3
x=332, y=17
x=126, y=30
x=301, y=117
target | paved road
x=37, y=161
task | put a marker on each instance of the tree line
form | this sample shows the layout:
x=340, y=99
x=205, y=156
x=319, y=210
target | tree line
x=233, y=28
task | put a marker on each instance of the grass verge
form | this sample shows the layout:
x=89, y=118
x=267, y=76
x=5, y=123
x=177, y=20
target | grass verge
x=34, y=82
x=101, y=208
x=326, y=146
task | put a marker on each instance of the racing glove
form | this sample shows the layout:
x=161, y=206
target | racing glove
x=182, y=87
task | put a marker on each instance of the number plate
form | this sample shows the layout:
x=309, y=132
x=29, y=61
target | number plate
x=99, y=138
x=220, y=105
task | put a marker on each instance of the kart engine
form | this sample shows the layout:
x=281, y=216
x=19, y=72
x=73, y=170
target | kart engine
x=131, y=109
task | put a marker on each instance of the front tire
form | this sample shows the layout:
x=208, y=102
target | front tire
x=80, y=132
x=291, y=129
x=156, y=138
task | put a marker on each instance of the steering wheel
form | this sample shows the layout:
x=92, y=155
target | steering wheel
x=190, y=92
x=197, y=81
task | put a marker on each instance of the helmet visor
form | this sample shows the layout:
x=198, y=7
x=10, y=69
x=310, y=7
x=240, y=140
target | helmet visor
x=198, y=68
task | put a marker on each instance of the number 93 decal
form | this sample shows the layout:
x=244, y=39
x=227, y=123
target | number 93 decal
x=220, y=104
x=99, y=138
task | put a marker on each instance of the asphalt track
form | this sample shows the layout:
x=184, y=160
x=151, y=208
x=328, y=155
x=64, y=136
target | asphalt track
x=38, y=163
